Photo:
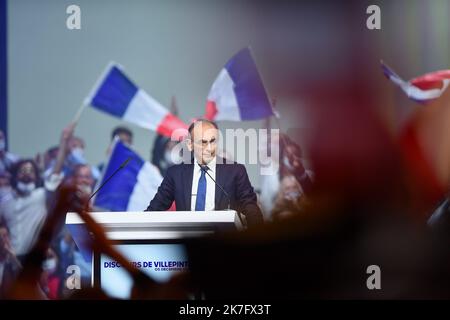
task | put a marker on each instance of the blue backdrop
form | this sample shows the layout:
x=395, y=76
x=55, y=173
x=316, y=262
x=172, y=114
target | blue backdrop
x=3, y=70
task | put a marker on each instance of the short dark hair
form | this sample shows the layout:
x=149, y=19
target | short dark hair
x=191, y=127
x=121, y=130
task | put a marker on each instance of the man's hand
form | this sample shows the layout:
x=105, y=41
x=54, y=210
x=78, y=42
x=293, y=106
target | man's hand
x=66, y=134
x=63, y=150
x=70, y=198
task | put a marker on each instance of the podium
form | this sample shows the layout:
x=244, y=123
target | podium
x=152, y=241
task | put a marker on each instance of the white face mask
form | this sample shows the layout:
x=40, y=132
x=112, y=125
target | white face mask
x=76, y=156
x=26, y=188
x=2, y=145
x=49, y=265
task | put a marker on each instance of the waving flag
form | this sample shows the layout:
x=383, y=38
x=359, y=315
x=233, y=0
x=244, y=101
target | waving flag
x=117, y=95
x=421, y=89
x=238, y=92
x=132, y=188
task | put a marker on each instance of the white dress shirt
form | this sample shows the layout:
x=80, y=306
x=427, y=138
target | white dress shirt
x=210, y=185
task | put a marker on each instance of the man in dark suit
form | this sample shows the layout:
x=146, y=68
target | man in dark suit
x=192, y=189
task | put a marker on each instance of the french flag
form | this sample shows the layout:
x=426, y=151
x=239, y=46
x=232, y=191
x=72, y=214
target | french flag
x=421, y=89
x=117, y=95
x=133, y=186
x=238, y=92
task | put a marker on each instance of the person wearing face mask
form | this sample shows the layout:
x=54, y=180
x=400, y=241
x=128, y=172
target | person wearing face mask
x=76, y=152
x=68, y=252
x=50, y=280
x=25, y=210
x=70, y=154
x=7, y=159
x=76, y=157
x=73, y=155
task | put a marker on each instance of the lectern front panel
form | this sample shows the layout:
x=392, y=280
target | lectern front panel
x=158, y=259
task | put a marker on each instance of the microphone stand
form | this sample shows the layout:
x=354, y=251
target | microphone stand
x=223, y=190
x=109, y=178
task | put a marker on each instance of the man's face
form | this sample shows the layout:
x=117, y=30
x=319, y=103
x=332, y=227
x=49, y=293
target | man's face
x=26, y=173
x=203, y=142
x=83, y=179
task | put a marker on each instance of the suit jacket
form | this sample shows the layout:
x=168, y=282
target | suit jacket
x=177, y=186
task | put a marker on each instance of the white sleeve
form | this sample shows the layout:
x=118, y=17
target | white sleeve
x=53, y=181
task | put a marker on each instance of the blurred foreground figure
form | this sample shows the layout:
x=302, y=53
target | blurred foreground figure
x=288, y=182
x=37, y=279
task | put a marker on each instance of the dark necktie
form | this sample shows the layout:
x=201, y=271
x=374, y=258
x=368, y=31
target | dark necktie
x=201, y=193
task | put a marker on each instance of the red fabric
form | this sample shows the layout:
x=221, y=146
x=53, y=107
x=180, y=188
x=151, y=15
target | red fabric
x=211, y=110
x=169, y=124
x=431, y=80
x=429, y=189
x=53, y=284
x=173, y=207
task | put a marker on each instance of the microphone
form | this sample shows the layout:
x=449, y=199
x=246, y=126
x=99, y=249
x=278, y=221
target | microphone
x=123, y=165
x=205, y=168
